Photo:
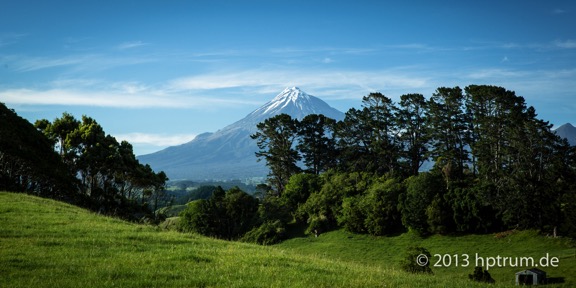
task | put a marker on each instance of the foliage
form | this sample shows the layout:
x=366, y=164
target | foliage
x=299, y=189
x=316, y=142
x=226, y=215
x=323, y=208
x=29, y=164
x=375, y=210
x=496, y=165
x=276, y=138
x=267, y=234
x=420, y=192
x=110, y=176
x=416, y=260
x=481, y=275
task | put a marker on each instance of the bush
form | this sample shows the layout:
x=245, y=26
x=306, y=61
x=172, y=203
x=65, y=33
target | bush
x=269, y=233
x=417, y=260
x=481, y=275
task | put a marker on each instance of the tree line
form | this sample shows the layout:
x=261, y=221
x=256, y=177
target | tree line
x=77, y=162
x=495, y=166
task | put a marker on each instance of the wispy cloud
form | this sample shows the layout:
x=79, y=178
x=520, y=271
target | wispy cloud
x=160, y=140
x=131, y=44
x=130, y=96
x=566, y=44
x=27, y=64
x=267, y=80
x=92, y=62
x=10, y=38
x=69, y=97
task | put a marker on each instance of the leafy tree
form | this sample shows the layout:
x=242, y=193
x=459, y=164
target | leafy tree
x=299, y=189
x=381, y=202
x=227, y=215
x=317, y=143
x=439, y=216
x=450, y=135
x=353, y=215
x=383, y=139
x=29, y=164
x=276, y=138
x=471, y=212
x=110, y=176
x=412, y=119
x=323, y=208
x=420, y=192
x=354, y=142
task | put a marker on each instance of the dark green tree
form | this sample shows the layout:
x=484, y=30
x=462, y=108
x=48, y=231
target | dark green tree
x=316, y=143
x=381, y=204
x=299, y=188
x=29, y=164
x=384, y=137
x=354, y=142
x=412, y=121
x=276, y=138
x=226, y=215
x=450, y=134
x=420, y=192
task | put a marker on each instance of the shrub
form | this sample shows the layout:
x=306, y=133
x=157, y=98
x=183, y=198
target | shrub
x=271, y=232
x=416, y=260
x=481, y=275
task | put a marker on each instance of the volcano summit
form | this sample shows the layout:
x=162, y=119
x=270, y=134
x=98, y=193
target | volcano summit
x=229, y=152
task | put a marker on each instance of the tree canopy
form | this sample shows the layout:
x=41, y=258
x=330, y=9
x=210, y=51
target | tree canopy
x=76, y=161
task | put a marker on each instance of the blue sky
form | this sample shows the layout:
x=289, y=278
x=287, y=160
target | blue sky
x=157, y=73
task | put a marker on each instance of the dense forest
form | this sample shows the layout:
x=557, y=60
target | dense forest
x=494, y=166
x=76, y=162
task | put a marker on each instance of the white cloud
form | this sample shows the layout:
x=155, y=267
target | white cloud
x=27, y=64
x=130, y=45
x=76, y=97
x=566, y=44
x=159, y=140
x=327, y=60
x=81, y=62
x=266, y=80
x=118, y=99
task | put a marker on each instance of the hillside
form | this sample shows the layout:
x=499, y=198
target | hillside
x=44, y=243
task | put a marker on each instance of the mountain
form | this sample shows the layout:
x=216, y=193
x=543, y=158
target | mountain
x=567, y=131
x=229, y=152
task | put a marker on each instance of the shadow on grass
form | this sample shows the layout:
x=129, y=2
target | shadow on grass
x=555, y=280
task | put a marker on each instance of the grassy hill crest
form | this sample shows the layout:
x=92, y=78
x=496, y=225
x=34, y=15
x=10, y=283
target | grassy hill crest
x=45, y=243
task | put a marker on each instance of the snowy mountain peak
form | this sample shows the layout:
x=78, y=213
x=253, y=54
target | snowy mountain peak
x=229, y=152
x=291, y=94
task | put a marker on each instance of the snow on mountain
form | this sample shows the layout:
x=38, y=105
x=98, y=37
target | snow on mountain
x=291, y=101
x=229, y=152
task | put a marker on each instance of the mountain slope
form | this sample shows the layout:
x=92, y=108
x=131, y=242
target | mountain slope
x=229, y=152
x=567, y=131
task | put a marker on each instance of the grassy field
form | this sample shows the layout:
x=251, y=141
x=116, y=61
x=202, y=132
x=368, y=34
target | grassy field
x=386, y=252
x=44, y=243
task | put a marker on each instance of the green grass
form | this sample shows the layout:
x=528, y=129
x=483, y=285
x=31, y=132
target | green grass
x=44, y=243
x=387, y=252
